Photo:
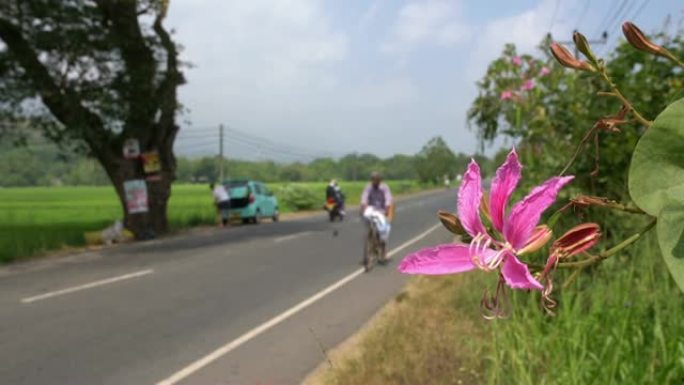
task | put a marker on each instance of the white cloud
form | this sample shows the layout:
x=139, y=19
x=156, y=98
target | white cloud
x=258, y=42
x=526, y=30
x=433, y=22
x=370, y=14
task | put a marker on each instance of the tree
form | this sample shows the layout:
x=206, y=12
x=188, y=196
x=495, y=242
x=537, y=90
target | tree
x=104, y=72
x=400, y=167
x=542, y=107
x=435, y=161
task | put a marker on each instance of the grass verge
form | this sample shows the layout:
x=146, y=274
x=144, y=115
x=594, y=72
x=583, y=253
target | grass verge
x=621, y=323
x=34, y=220
x=423, y=336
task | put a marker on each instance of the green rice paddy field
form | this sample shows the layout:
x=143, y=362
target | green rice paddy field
x=38, y=219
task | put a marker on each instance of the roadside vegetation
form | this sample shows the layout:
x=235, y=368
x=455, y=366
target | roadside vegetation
x=37, y=219
x=621, y=324
x=614, y=313
x=50, y=196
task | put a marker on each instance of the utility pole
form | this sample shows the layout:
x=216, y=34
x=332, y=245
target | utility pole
x=602, y=41
x=221, y=153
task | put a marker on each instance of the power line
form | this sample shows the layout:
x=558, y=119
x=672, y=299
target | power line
x=279, y=146
x=251, y=143
x=615, y=22
x=641, y=8
x=604, y=21
x=618, y=20
x=632, y=18
x=616, y=15
x=582, y=14
x=553, y=17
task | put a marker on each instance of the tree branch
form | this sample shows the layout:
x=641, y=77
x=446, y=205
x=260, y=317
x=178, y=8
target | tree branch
x=139, y=62
x=166, y=92
x=63, y=103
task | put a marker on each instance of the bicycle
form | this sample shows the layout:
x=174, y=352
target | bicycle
x=374, y=250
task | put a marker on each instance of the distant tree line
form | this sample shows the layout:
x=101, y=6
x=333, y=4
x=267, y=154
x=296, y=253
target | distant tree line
x=48, y=165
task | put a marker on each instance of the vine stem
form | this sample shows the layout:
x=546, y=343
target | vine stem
x=581, y=144
x=674, y=59
x=612, y=251
x=616, y=93
x=624, y=208
x=571, y=279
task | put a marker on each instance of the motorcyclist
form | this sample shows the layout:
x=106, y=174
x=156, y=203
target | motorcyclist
x=334, y=195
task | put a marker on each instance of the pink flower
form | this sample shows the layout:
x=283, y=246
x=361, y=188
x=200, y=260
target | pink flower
x=528, y=85
x=544, y=71
x=517, y=229
x=506, y=95
x=516, y=60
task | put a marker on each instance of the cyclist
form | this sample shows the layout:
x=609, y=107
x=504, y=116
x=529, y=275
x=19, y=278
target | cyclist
x=376, y=205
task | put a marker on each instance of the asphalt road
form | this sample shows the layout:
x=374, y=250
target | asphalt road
x=247, y=305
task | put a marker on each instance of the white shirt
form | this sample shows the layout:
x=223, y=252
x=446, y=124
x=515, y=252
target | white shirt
x=220, y=194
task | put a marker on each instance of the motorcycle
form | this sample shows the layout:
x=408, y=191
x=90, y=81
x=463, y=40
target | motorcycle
x=335, y=209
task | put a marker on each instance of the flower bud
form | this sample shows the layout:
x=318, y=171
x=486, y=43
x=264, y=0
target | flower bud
x=638, y=40
x=451, y=222
x=566, y=59
x=541, y=235
x=576, y=240
x=588, y=200
x=583, y=46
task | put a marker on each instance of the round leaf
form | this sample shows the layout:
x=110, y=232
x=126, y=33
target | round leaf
x=670, y=229
x=656, y=174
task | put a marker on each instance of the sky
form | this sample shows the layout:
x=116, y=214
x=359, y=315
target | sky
x=296, y=79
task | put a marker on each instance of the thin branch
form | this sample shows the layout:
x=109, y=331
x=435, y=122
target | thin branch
x=581, y=144
x=64, y=102
x=615, y=92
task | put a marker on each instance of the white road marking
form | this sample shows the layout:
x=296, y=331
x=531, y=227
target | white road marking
x=291, y=236
x=232, y=345
x=86, y=286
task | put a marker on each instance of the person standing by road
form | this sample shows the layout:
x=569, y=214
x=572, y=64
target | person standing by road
x=222, y=202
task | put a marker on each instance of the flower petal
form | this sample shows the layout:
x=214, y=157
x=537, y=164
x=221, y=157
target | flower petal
x=525, y=215
x=517, y=275
x=503, y=185
x=469, y=196
x=442, y=259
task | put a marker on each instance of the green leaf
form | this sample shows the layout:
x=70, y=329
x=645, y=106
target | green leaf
x=670, y=229
x=656, y=174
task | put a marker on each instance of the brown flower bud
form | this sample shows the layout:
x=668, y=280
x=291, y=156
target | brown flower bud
x=541, y=235
x=583, y=46
x=576, y=240
x=451, y=222
x=566, y=59
x=588, y=200
x=638, y=40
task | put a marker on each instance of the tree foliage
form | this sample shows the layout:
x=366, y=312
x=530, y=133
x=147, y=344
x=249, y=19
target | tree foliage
x=547, y=121
x=95, y=73
x=45, y=164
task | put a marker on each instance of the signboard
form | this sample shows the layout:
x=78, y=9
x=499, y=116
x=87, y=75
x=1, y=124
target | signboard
x=131, y=149
x=136, y=196
x=151, y=164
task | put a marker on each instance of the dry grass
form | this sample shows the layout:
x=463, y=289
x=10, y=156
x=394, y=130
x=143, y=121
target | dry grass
x=421, y=337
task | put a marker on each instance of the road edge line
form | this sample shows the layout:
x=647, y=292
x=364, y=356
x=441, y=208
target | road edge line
x=85, y=286
x=253, y=333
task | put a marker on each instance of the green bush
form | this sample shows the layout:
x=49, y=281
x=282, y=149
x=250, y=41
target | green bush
x=298, y=198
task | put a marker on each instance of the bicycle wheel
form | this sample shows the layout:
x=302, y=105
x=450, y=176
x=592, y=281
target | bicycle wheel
x=382, y=252
x=369, y=252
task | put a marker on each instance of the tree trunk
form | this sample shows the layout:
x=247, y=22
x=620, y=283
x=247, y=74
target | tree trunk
x=154, y=221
